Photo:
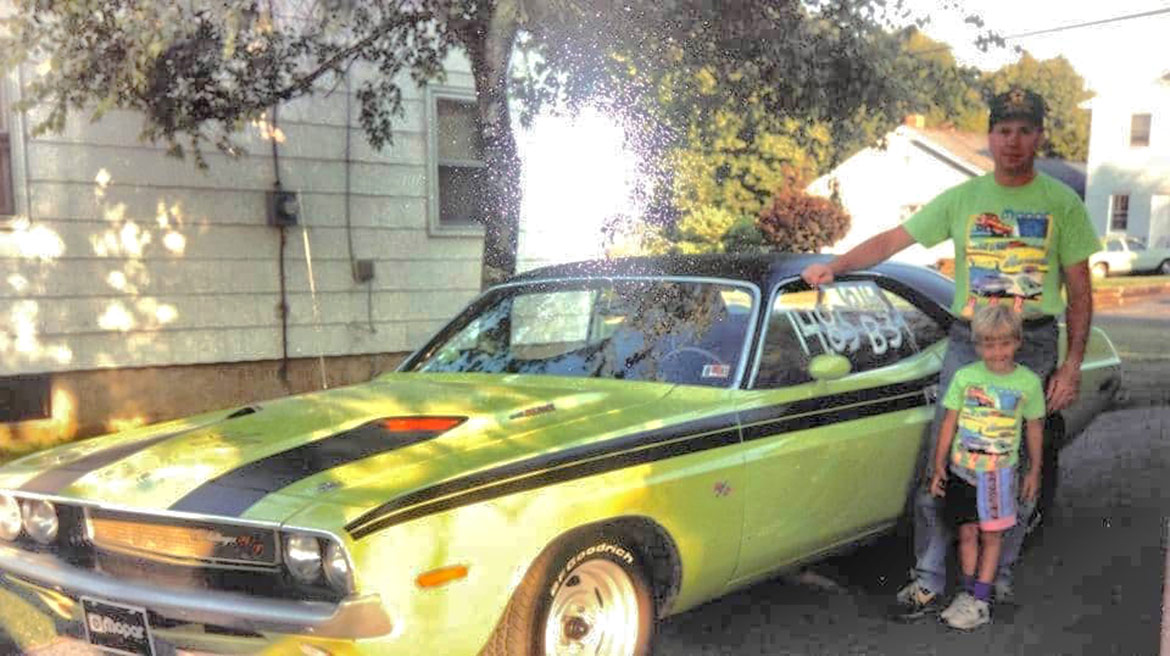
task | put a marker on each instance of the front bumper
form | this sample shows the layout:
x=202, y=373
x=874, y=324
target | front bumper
x=351, y=619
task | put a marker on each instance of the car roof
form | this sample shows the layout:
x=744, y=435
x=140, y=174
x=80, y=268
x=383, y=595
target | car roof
x=762, y=270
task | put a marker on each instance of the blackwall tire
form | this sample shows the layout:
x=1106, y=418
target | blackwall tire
x=587, y=593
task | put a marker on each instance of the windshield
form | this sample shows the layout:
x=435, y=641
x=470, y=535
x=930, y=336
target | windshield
x=681, y=332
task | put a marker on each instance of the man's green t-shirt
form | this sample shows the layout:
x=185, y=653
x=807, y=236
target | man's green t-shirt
x=1010, y=242
x=992, y=407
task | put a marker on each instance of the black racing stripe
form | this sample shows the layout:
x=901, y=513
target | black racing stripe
x=655, y=453
x=233, y=492
x=53, y=481
x=832, y=401
x=625, y=452
x=833, y=416
x=722, y=422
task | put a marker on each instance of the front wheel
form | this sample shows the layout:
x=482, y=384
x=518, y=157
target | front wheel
x=587, y=594
x=1100, y=270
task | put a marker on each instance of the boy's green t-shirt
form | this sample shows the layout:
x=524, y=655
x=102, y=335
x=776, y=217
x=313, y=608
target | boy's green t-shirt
x=1010, y=242
x=992, y=408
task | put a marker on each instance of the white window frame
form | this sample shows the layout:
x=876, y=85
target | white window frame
x=434, y=226
x=17, y=163
x=1112, y=212
x=1149, y=132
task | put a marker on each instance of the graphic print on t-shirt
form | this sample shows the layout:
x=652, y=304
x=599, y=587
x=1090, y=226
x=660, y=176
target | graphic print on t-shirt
x=989, y=424
x=1007, y=254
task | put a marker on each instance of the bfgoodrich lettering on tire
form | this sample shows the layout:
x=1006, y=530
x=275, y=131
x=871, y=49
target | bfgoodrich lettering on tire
x=585, y=594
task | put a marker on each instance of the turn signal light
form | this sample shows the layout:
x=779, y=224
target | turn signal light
x=441, y=576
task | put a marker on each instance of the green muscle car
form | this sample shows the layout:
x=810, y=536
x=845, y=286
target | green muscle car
x=582, y=451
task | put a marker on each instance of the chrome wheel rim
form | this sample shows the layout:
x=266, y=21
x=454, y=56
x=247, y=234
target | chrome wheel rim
x=595, y=611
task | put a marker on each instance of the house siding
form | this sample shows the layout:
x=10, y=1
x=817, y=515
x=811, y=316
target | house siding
x=124, y=259
x=1117, y=168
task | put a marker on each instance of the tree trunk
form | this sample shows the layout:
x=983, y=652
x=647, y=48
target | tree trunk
x=490, y=50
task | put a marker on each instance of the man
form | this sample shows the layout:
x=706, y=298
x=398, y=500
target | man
x=1019, y=237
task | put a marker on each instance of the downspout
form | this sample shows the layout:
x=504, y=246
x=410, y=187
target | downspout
x=283, y=307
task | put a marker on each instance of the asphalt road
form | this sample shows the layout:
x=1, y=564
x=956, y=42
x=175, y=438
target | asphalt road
x=1092, y=583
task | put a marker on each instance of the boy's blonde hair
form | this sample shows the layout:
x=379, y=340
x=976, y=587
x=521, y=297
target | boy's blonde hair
x=992, y=320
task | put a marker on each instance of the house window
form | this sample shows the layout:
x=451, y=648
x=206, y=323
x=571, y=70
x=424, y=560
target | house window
x=1139, y=130
x=24, y=398
x=461, y=188
x=7, y=203
x=1118, y=212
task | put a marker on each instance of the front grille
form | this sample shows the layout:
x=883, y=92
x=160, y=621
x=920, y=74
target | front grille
x=176, y=553
x=183, y=540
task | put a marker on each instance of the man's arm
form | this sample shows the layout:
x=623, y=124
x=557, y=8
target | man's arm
x=877, y=248
x=1065, y=384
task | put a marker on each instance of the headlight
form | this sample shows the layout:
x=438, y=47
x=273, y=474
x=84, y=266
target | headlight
x=336, y=567
x=40, y=520
x=10, y=520
x=302, y=557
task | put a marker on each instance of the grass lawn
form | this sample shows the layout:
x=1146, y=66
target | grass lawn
x=1130, y=281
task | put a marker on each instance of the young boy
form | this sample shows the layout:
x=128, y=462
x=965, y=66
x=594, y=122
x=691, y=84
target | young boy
x=976, y=474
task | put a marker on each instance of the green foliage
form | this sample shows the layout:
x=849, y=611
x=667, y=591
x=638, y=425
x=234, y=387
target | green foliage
x=744, y=236
x=739, y=160
x=946, y=94
x=1066, y=125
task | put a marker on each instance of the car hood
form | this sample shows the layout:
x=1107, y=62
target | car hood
x=270, y=461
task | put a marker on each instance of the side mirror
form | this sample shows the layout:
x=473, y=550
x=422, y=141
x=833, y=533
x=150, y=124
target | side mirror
x=829, y=366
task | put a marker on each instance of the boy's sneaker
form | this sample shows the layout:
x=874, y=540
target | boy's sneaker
x=967, y=613
x=915, y=601
x=956, y=603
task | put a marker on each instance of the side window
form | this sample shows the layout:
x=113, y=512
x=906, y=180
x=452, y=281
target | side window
x=1114, y=246
x=922, y=326
x=856, y=319
x=457, y=175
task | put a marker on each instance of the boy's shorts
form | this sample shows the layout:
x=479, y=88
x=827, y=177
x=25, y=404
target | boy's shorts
x=991, y=502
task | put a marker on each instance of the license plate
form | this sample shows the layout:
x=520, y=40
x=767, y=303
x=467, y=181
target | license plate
x=117, y=628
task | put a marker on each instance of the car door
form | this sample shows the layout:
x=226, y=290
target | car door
x=828, y=461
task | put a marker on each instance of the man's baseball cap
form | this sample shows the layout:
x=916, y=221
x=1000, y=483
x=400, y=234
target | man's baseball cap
x=1017, y=103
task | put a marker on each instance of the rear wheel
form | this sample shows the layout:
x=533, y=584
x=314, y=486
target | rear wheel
x=586, y=594
x=1100, y=270
x=1164, y=268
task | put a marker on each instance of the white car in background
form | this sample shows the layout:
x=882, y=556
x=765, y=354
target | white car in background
x=1125, y=254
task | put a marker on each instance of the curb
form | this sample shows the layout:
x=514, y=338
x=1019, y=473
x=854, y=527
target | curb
x=1111, y=297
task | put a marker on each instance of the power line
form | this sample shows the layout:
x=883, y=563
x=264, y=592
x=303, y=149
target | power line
x=1115, y=19
x=1103, y=21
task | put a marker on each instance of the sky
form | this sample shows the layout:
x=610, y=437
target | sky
x=1107, y=56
